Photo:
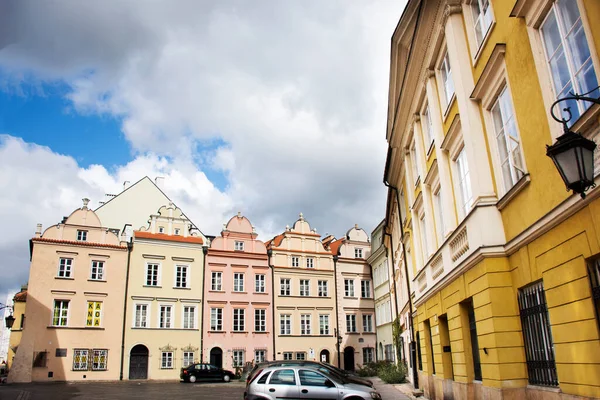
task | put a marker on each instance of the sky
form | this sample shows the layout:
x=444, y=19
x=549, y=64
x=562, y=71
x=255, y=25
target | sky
x=270, y=108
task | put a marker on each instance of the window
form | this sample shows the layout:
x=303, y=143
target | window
x=348, y=288
x=288, y=355
x=166, y=360
x=464, y=183
x=239, y=319
x=358, y=252
x=448, y=83
x=365, y=289
x=368, y=355
x=482, y=19
x=594, y=273
x=323, y=324
x=260, y=356
x=568, y=54
x=238, y=282
x=216, y=281
x=403, y=205
x=424, y=241
x=537, y=336
x=263, y=379
x=323, y=289
x=260, y=320
x=301, y=356
x=64, y=267
x=94, y=314
x=141, y=316
x=80, y=359
x=152, y=274
x=389, y=352
x=189, y=317
x=161, y=229
x=305, y=324
x=438, y=214
x=99, y=360
x=474, y=341
x=310, y=262
x=304, y=287
x=188, y=358
x=285, y=324
x=61, y=313
x=238, y=358
x=165, y=317
x=285, y=286
x=295, y=261
x=181, y=276
x=414, y=163
x=283, y=377
x=97, y=272
x=367, y=323
x=239, y=246
x=350, y=323
x=259, y=283
x=81, y=236
x=507, y=139
x=177, y=231
x=427, y=124
x=216, y=319
x=311, y=378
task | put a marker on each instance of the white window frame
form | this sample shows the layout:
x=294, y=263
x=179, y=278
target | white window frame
x=304, y=287
x=348, y=287
x=99, y=274
x=98, y=365
x=167, y=360
x=147, y=316
x=187, y=320
x=238, y=282
x=368, y=291
x=161, y=229
x=177, y=231
x=464, y=204
x=67, y=268
x=188, y=358
x=238, y=314
x=260, y=356
x=285, y=324
x=351, y=323
x=158, y=274
x=310, y=262
x=473, y=18
x=367, y=320
x=368, y=354
x=216, y=314
x=358, y=252
x=285, y=286
x=260, y=319
x=295, y=261
x=300, y=356
x=82, y=235
x=260, y=283
x=171, y=320
x=239, y=357
x=324, y=327
x=288, y=355
x=238, y=245
x=438, y=212
x=187, y=269
x=81, y=365
x=323, y=288
x=216, y=281
x=427, y=128
x=61, y=309
x=305, y=324
x=443, y=66
x=414, y=162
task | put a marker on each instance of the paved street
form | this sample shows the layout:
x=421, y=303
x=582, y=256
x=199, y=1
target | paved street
x=144, y=390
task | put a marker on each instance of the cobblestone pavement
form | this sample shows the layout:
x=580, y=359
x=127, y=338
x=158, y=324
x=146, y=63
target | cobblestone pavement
x=123, y=390
x=388, y=392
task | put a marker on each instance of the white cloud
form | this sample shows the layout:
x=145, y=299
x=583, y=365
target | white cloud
x=296, y=91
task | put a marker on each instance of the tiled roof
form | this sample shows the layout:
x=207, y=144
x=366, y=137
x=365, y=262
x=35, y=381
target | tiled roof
x=21, y=296
x=335, y=246
x=170, y=238
x=79, y=243
x=276, y=241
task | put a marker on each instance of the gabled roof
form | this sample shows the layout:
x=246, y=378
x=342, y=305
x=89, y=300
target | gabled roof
x=276, y=241
x=335, y=246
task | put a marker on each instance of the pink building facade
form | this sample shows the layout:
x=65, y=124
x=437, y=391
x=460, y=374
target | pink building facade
x=238, y=298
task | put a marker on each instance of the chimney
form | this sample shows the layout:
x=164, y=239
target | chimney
x=126, y=184
x=159, y=181
x=38, y=230
x=85, y=203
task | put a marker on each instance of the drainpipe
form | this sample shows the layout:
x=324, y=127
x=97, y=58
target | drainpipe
x=337, y=321
x=205, y=252
x=269, y=254
x=129, y=249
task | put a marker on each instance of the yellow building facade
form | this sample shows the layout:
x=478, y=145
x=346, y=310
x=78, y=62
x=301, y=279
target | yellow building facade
x=19, y=302
x=502, y=262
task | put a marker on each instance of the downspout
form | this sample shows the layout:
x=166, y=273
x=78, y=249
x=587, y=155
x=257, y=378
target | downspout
x=129, y=249
x=205, y=252
x=273, y=333
x=337, y=321
x=375, y=314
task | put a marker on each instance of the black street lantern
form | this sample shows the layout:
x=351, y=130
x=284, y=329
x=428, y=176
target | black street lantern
x=10, y=320
x=572, y=154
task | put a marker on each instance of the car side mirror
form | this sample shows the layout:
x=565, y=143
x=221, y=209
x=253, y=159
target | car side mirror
x=329, y=384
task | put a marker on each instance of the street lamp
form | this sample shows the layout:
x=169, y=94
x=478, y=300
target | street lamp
x=10, y=320
x=573, y=154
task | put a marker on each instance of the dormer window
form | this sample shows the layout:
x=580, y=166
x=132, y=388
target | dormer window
x=161, y=229
x=177, y=231
x=81, y=236
x=358, y=253
x=239, y=246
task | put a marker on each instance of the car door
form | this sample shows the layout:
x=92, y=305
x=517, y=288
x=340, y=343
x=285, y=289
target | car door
x=214, y=373
x=282, y=385
x=198, y=372
x=315, y=385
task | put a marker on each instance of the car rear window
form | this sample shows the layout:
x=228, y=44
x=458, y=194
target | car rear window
x=263, y=379
x=283, y=377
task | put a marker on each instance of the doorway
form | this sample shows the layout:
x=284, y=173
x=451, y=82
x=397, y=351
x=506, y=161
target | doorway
x=216, y=357
x=138, y=362
x=324, y=356
x=349, y=358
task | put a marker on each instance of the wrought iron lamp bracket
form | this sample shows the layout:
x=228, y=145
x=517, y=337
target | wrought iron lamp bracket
x=576, y=97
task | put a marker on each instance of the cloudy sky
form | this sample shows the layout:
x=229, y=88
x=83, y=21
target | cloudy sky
x=270, y=108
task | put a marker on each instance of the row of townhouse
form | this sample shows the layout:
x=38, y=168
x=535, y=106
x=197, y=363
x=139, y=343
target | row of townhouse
x=497, y=266
x=141, y=297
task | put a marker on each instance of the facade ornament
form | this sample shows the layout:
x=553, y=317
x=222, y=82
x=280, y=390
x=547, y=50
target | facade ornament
x=85, y=203
x=451, y=8
x=189, y=348
x=168, y=347
x=301, y=217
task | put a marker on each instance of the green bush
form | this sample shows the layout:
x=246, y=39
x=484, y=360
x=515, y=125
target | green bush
x=392, y=373
x=372, y=368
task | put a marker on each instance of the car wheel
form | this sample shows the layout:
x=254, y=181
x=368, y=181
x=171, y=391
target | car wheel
x=192, y=379
x=226, y=378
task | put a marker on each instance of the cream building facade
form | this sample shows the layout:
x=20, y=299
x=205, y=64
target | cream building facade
x=16, y=332
x=75, y=301
x=164, y=297
x=304, y=297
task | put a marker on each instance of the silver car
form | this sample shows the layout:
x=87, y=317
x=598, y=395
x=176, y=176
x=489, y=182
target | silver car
x=304, y=382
